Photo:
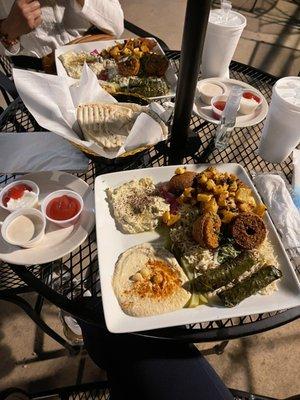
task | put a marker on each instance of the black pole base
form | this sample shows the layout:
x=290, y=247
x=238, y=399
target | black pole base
x=193, y=143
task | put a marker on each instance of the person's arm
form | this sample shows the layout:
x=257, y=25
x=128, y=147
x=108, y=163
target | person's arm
x=24, y=17
x=106, y=15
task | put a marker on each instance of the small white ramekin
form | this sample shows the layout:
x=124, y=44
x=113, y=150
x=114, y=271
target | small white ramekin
x=248, y=108
x=35, y=190
x=216, y=112
x=26, y=212
x=205, y=97
x=59, y=193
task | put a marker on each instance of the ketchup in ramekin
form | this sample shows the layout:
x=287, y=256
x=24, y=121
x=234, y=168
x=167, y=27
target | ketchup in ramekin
x=63, y=207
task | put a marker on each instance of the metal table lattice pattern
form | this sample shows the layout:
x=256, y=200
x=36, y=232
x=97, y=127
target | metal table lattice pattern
x=76, y=276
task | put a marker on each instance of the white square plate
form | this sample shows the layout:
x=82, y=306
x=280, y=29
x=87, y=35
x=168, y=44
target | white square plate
x=111, y=243
x=170, y=75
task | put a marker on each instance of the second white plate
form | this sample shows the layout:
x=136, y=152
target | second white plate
x=170, y=75
x=57, y=241
x=205, y=111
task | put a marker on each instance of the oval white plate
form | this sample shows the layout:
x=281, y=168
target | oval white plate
x=205, y=111
x=57, y=241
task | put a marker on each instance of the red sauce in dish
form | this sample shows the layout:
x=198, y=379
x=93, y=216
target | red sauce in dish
x=16, y=192
x=62, y=208
x=220, y=105
x=250, y=96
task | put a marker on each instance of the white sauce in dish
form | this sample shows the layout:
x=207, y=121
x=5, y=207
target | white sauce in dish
x=27, y=200
x=211, y=89
x=23, y=229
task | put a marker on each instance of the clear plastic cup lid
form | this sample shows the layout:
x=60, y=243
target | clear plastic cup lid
x=288, y=89
x=226, y=17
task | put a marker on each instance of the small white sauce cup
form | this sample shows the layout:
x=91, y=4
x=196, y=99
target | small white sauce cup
x=35, y=190
x=206, y=97
x=25, y=212
x=247, y=107
x=58, y=193
x=216, y=112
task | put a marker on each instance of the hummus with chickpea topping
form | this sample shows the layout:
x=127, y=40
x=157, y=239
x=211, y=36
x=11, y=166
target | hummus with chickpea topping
x=137, y=206
x=149, y=281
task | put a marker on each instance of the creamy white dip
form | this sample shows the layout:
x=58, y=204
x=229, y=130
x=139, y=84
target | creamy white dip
x=28, y=199
x=137, y=206
x=23, y=229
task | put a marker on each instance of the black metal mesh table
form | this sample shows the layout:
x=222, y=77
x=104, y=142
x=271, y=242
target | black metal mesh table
x=73, y=282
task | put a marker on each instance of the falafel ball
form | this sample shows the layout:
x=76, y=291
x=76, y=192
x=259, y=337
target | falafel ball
x=206, y=230
x=248, y=230
x=178, y=183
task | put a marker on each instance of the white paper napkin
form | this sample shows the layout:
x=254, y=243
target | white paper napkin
x=39, y=151
x=52, y=100
x=281, y=208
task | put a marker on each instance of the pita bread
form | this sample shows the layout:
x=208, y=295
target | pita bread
x=108, y=124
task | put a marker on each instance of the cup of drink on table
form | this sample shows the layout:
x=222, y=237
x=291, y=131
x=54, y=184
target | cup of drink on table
x=223, y=33
x=281, y=132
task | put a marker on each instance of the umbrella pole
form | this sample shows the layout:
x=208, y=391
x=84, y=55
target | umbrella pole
x=196, y=18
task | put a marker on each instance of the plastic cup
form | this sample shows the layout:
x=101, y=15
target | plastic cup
x=281, y=131
x=222, y=36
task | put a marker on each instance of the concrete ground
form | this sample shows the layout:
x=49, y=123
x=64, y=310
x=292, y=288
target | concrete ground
x=268, y=363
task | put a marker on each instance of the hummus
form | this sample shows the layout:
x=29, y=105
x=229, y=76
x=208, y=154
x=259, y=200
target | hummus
x=137, y=207
x=148, y=281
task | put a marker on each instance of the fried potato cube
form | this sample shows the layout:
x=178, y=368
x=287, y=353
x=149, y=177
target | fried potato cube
x=244, y=207
x=203, y=179
x=127, y=52
x=144, y=48
x=211, y=206
x=210, y=185
x=230, y=202
x=204, y=197
x=242, y=195
x=114, y=52
x=260, y=209
x=170, y=219
x=251, y=201
x=166, y=217
x=180, y=170
x=137, y=52
x=220, y=189
x=188, y=192
x=233, y=187
x=227, y=216
x=222, y=199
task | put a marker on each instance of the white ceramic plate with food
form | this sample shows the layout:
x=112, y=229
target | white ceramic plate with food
x=204, y=110
x=112, y=243
x=57, y=241
x=170, y=76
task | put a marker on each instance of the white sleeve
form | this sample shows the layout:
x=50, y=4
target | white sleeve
x=14, y=52
x=106, y=15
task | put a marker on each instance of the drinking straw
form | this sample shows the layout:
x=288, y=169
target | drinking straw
x=225, y=7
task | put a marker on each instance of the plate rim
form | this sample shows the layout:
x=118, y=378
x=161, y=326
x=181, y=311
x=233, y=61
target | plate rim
x=111, y=326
